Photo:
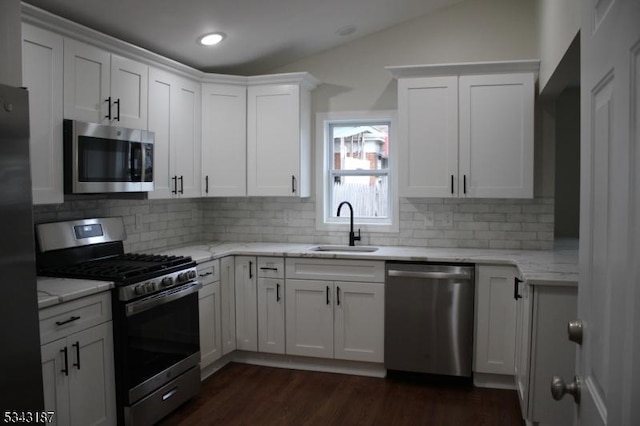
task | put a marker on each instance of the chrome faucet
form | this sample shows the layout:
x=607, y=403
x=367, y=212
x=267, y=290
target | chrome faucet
x=352, y=235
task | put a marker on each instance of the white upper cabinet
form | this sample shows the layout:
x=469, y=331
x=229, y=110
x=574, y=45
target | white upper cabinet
x=42, y=62
x=496, y=135
x=428, y=136
x=103, y=88
x=278, y=138
x=224, y=140
x=466, y=130
x=174, y=117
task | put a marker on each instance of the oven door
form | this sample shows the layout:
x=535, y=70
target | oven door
x=161, y=339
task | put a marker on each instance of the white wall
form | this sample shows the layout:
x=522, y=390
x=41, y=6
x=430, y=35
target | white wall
x=354, y=77
x=10, y=43
x=559, y=22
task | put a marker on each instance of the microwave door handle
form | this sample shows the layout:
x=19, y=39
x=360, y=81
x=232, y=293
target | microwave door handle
x=143, y=162
x=136, y=161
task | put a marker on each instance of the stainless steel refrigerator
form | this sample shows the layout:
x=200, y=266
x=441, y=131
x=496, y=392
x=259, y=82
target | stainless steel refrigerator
x=21, y=375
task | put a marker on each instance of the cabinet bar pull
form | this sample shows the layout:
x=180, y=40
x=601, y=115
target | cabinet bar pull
x=277, y=292
x=206, y=184
x=117, y=118
x=338, y=296
x=464, y=183
x=250, y=270
x=182, y=184
x=65, y=370
x=516, y=281
x=175, y=185
x=206, y=274
x=71, y=319
x=77, y=363
x=267, y=268
x=452, y=184
x=327, y=295
x=108, y=101
x=293, y=184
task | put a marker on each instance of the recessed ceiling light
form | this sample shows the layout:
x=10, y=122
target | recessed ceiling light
x=211, y=39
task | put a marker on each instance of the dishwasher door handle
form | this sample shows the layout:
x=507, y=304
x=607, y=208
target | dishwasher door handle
x=433, y=275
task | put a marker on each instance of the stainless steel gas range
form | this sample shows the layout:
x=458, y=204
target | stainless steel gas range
x=155, y=312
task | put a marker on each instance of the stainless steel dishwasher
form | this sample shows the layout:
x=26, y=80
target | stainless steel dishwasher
x=429, y=318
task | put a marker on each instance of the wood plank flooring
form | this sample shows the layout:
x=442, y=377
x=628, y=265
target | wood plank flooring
x=241, y=394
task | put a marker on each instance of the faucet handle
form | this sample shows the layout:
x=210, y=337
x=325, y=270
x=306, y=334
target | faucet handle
x=357, y=237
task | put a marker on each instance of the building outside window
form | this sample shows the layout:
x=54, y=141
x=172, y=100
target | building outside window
x=355, y=167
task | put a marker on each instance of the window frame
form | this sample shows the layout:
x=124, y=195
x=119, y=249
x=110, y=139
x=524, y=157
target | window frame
x=324, y=221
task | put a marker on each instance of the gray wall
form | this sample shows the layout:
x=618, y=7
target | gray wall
x=567, y=182
x=10, y=43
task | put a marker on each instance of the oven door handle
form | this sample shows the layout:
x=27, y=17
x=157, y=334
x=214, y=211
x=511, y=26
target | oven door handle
x=160, y=299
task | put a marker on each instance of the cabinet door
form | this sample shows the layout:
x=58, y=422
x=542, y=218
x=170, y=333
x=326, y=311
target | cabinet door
x=160, y=86
x=246, y=303
x=42, y=65
x=271, y=302
x=129, y=85
x=185, y=136
x=210, y=329
x=55, y=381
x=92, y=377
x=309, y=320
x=224, y=140
x=86, y=82
x=523, y=347
x=273, y=140
x=228, y=309
x=495, y=320
x=428, y=136
x=359, y=321
x=496, y=135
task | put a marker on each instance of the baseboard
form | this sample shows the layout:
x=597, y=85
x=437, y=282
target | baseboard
x=215, y=366
x=369, y=369
x=496, y=381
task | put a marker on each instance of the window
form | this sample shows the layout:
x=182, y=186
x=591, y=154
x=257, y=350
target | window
x=354, y=152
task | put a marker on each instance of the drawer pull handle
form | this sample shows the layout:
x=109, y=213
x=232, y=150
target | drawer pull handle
x=72, y=319
x=266, y=268
x=170, y=393
x=206, y=274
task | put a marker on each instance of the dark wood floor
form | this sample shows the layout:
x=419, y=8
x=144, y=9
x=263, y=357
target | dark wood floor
x=241, y=394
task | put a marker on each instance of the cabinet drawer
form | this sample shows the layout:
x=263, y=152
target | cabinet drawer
x=62, y=320
x=336, y=269
x=209, y=272
x=271, y=267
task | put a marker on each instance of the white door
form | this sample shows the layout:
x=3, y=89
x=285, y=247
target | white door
x=86, y=82
x=185, y=136
x=359, y=321
x=246, y=303
x=309, y=321
x=55, y=380
x=228, y=301
x=609, y=294
x=160, y=90
x=129, y=85
x=210, y=329
x=224, y=140
x=428, y=137
x=271, y=315
x=273, y=140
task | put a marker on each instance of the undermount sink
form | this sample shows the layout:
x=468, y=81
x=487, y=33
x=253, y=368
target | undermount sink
x=358, y=249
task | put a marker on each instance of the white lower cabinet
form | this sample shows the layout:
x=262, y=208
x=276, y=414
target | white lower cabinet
x=209, y=305
x=77, y=361
x=271, y=304
x=495, y=325
x=228, y=302
x=335, y=319
x=246, y=303
x=543, y=351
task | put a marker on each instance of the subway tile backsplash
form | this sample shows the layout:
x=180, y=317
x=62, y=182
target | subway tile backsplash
x=153, y=225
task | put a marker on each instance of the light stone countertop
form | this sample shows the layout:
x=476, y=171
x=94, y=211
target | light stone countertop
x=537, y=267
x=52, y=291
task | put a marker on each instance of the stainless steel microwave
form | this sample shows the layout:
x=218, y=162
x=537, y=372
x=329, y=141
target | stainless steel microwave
x=99, y=158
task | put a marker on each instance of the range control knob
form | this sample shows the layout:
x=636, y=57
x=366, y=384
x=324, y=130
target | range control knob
x=192, y=274
x=167, y=282
x=139, y=289
x=151, y=286
x=182, y=277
